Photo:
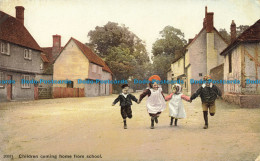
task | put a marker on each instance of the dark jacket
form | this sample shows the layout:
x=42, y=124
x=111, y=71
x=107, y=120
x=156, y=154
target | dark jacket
x=125, y=101
x=207, y=94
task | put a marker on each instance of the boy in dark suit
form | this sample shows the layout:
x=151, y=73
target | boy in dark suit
x=208, y=93
x=125, y=102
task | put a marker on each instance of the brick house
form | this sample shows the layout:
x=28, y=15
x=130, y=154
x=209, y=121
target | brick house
x=202, y=54
x=20, y=57
x=77, y=61
x=242, y=63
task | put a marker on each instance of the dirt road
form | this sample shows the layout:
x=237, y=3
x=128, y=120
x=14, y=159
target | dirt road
x=93, y=128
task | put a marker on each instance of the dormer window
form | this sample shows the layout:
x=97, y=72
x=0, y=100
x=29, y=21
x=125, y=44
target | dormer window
x=28, y=54
x=5, y=48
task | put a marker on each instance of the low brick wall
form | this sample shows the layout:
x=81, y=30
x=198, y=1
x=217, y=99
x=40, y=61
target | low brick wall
x=245, y=101
x=62, y=92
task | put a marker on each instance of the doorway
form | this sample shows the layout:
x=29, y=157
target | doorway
x=9, y=88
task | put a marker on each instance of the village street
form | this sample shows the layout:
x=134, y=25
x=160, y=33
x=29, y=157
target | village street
x=90, y=125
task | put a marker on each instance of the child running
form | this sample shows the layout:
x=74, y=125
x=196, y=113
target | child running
x=155, y=103
x=208, y=93
x=125, y=103
x=176, y=108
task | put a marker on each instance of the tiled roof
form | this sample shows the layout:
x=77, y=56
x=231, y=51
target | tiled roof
x=44, y=58
x=252, y=34
x=13, y=31
x=106, y=68
x=48, y=52
x=92, y=57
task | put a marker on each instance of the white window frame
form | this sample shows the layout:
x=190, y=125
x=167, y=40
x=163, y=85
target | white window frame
x=41, y=66
x=27, y=54
x=3, y=46
x=25, y=85
x=30, y=54
x=1, y=78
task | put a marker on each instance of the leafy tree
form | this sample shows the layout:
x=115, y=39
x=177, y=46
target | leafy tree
x=121, y=62
x=172, y=39
x=111, y=35
x=241, y=29
x=121, y=49
x=170, y=45
x=223, y=32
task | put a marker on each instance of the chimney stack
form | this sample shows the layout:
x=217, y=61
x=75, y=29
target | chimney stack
x=20, y=13
x=204, y=20
x=56, y=47
x=210, y=22
x=233, y=31
x=206, y=11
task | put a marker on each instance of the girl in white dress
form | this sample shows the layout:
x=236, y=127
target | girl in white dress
x=155, y=103
x=176, y=108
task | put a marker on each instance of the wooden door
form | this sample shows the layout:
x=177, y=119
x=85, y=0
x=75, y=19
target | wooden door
x=9, y=88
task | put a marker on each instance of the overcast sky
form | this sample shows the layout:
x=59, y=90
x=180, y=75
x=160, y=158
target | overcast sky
x=146, y=18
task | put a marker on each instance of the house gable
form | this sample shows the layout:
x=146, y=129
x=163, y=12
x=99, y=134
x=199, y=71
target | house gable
x=71, y=63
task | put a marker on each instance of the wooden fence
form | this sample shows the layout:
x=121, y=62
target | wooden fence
x=62, y=92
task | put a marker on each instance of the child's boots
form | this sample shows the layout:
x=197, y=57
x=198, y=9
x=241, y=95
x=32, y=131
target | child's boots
x=125, y=125
x=205, y=115
x=152, y=123
x=175, y=122
x=156, y=119
x=171, y=121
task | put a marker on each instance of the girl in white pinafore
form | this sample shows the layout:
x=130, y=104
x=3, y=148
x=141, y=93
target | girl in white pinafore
x=155, y=103
x=176, y=108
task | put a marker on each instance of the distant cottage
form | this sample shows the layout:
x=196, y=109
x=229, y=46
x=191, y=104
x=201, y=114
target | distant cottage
x=242, y=63
x=20, y=57
x=77, y=61
x=201, y=56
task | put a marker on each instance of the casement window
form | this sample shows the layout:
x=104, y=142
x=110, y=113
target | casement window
x=41, y=66
x=1, y=79
x=26, y=78
x=94, y=68
x=28, y=54
x=230, y=62
x=200, y=74
x=5, y=48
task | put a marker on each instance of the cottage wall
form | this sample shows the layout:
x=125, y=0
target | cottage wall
x=72, y=65
x=16, y=61
x=104, y=88
x=16, y=66
x=18, y=93
x=251, y=71
x=236, y=71
x=219, y=45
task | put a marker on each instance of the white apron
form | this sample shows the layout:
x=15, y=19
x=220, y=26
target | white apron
x=155, y=102
x=176, y=107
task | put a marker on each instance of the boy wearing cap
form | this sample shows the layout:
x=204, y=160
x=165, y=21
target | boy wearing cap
x=208, y=93
x=125, y=102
